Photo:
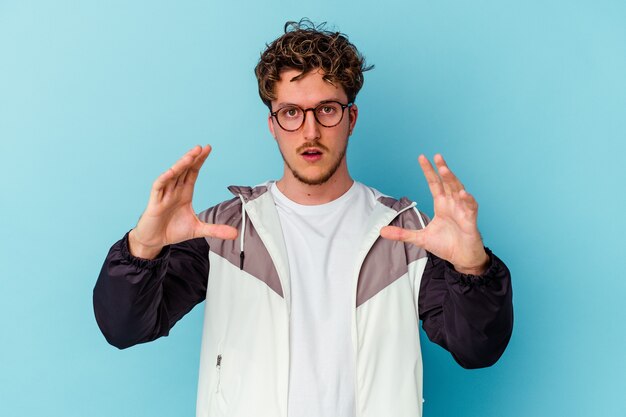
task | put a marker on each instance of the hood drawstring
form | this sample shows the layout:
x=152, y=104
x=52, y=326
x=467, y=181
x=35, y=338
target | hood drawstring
x=419, y=215
x=243, y=231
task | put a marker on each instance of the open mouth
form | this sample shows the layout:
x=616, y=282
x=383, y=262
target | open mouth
x=312, y=155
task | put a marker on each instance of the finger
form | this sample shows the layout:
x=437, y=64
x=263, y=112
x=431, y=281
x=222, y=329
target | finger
x=194, y=169
x=218, y=231
x=415, y=237
x=175, y=170
x=158, y=187
x=451, y=183
x=162, y=180
x=186, y=161
x=434, y=182
x=180, y=168
x=469, y=202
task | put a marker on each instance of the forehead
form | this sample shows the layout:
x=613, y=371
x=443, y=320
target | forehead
x=308, y=90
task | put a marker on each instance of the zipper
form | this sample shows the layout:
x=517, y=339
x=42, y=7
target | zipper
x=267, y=237
x=354, y=328
x=218, y=367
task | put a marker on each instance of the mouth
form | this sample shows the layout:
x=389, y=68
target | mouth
x=311, y=154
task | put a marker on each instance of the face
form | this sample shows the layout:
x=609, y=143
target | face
x=313, y=154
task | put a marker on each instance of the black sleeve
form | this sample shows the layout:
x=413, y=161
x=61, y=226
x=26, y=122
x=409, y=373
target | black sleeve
x=137, y=300
x=470, y=316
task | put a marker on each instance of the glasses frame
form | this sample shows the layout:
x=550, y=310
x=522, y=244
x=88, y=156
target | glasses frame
x=274, y=114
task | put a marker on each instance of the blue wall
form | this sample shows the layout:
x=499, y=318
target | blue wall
x=527, y=101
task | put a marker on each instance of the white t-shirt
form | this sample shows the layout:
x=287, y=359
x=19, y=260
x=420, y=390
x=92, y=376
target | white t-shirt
x=322, y=243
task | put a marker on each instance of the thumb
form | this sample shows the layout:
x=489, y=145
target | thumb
x=218, y=231
x=415, y=237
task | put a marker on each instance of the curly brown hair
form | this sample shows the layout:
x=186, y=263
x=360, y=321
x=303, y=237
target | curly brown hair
x=305, y=46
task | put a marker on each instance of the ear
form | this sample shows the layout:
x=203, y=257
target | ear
x=270, y=124
x=354, y=114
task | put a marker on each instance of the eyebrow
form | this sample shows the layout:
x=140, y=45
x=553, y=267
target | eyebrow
x=280, y=105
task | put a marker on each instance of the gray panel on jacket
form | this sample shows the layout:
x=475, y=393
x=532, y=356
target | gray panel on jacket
x=258, y=262
x=388, y=260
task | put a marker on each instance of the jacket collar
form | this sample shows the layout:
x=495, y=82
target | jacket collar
x=251, y=193
x=392, y=203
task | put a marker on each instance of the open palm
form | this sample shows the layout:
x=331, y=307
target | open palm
x=169, y=217
x=453, y=232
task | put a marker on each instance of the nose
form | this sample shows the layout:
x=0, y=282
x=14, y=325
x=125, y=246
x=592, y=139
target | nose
x=310, y=129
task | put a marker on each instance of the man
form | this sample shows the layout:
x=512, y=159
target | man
x=315, y=283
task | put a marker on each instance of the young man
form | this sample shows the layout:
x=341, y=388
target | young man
x=315, y=283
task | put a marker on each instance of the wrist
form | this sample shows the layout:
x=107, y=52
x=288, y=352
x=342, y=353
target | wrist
x=477, y=268
x=139, y=250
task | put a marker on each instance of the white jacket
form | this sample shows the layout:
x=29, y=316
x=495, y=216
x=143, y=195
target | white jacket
x=245, y=358
x=246, y=323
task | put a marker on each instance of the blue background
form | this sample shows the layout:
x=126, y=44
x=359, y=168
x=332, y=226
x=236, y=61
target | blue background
x=526, y=100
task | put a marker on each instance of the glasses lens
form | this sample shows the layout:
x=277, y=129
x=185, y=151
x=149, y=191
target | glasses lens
x=329, y=114
x=290, y=118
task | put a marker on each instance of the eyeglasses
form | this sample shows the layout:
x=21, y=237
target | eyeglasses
x=327, y=114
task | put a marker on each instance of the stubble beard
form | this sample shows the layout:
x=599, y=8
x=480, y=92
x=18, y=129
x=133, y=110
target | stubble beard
x=325, y=176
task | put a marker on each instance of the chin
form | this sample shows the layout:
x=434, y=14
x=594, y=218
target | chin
x=312, y=178
x=312, y=181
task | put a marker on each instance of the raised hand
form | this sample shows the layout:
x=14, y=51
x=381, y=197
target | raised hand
x=453, y=233
x=169, y=217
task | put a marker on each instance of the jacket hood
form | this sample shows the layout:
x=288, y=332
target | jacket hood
x=248, y=193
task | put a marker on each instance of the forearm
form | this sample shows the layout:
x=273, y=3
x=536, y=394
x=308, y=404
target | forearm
x=137, y=300
x=128, y=295
x=470, y=316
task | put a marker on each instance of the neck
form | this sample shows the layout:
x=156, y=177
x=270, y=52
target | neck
x=310, y=195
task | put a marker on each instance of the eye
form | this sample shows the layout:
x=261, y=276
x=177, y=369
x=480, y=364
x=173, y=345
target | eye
x=327, y=110
x=290, y=112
